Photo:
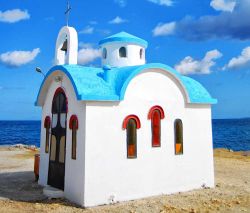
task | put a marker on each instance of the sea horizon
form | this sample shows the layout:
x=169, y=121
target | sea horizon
x=239, y=118
x=229, y=133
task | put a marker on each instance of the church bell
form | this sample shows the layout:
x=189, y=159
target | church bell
x=65, y=46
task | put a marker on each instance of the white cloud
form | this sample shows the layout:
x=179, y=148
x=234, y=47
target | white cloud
x=12, y=16
x=121, y=3
x=167, y=3
x=118, y=20
x=87, y=30
x=191, y=66
x=85, y=45
x=164, y=29
x=241, y=61
x=224, y=25
x=88, y=54
x=223, y=5
x=18, y=58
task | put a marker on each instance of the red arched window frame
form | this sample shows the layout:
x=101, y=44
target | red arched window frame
x=137, y=120
x=73, y=125
x=156, y=114
x=47, y=125
x=61, y=90
x=131, y=123
x=73, y=119
x=47, y=122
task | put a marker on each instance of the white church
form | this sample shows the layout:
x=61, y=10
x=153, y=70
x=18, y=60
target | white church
x=126, y=130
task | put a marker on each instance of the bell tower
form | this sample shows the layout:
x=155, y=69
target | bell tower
x=66, y=44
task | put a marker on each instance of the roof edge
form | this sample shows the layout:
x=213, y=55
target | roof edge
x=124, y=37
x=190, y=96
x=53, y=69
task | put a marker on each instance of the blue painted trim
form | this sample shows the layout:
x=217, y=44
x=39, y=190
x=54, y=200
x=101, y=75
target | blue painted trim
x=97, y=84
x=99, y=98
x=196, y=93
x=61, y=68
x=124, y=37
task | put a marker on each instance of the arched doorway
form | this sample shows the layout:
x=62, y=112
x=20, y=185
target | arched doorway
x=58, y=140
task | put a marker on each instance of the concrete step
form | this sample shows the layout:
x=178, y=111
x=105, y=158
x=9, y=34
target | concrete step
x=52, y=192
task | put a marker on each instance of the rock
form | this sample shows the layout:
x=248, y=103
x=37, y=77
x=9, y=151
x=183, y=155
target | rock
x=192, y=210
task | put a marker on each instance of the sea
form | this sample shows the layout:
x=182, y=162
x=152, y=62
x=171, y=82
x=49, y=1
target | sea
x=231, y=134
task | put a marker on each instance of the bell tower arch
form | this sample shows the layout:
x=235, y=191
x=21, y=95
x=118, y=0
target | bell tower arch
x=66, y=46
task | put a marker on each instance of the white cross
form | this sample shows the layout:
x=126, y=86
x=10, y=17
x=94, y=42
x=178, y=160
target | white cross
x=67, y=13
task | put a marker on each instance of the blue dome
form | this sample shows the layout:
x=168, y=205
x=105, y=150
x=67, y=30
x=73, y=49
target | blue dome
x=124, y=37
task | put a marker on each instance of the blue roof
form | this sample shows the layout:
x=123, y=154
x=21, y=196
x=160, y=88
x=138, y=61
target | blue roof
x=124, y=37
x=98, y=84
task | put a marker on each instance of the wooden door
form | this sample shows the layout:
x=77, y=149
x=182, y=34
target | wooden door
x=58, y=141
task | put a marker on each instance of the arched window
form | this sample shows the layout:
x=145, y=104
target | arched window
x=178, y=128
x=141, y=53
x=156, y=113
x=73, y=125
x=131, y=123
x=47, y=124
x=123, y=52
x=104, y=53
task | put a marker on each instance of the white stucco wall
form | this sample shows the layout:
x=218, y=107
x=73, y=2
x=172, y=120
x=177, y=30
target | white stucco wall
x=74, y=169
x=108, y=172
x=102, y=171
x=114, y=60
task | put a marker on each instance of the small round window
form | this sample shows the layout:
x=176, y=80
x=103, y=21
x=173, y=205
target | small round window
x=123, y=52
x=104, y=53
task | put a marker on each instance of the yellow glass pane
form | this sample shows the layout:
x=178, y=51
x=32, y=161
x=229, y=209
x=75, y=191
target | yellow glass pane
x=73, y=142
x=47, y=141
x=62, y=150
x=53, y=148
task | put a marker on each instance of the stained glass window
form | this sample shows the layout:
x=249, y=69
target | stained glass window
x=156, y=128
x=131, y=138
x=73, y=125
x=47, y=124
x=178, y=137
x=156, y=113
x=131, y=123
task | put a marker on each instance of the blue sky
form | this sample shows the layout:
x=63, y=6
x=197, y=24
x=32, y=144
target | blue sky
x=208, y=40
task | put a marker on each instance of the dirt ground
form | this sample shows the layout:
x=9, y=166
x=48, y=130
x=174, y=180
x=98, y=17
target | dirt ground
x=20, y=193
